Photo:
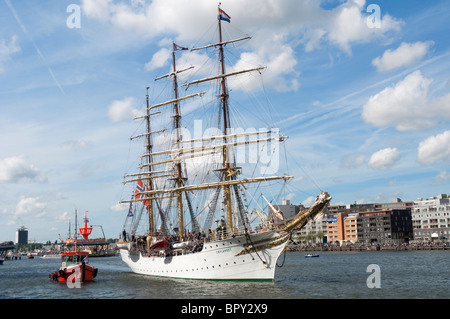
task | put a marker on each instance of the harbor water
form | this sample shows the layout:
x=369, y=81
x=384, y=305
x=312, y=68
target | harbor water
x=333, y=275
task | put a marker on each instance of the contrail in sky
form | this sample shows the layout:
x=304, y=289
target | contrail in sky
x=13, y=11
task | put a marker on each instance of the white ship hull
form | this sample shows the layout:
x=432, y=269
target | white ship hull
x=228, y=259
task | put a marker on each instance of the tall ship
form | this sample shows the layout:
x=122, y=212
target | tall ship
x=194, y=213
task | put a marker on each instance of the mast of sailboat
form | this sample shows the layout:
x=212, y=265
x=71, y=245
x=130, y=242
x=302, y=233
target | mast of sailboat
x=149, y=181
x=224, y=101
x=176, y=119
x=228, y=173
x=76, y=231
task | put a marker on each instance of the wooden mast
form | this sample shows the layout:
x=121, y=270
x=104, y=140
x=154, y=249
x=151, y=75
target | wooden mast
x=151, y=227
x=224, y=99
x=176, y=119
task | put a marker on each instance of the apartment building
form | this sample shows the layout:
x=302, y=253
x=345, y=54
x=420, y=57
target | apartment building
x=342, y=228
x=431, y=218
x=350, y=228
x=393, y=226
x=395, y=204
x=315, y=231
x=286, y=209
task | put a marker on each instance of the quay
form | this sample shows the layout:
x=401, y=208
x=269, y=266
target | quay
x=368, y=247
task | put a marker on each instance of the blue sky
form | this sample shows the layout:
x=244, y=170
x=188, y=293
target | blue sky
x=366, y=105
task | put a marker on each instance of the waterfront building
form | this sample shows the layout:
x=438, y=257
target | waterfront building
x=287, y=209
x=314, y=231
x=342, y=228
x=395, y=204
x=392, y=226
x=350, y=228
x=431, y=219
x=21, y=236
x=334, y=210
x=384, y=223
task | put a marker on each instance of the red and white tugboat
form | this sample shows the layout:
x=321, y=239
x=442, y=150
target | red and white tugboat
x=75, y=264
x=74, y=268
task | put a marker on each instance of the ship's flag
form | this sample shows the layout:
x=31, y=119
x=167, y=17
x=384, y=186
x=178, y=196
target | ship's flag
x=130, y=210
x=139, y=188
x=223, y=16
x=146, y=202
x=176, y=47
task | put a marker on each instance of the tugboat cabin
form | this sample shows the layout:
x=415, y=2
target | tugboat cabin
x=72, y=258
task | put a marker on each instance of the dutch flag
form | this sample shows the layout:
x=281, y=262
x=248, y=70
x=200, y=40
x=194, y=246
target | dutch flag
x=176, y=47
x=223, y=16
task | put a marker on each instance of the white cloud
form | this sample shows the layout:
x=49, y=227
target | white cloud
x=122, y=110
x=297, y=179
x=349, y=25
x=77, y=144
x=406, y=54
x=17, y=169
x=406, y=105
x=384, y=158
x=29, y=205
x=25, y=206
x=7, y=50
x=286, y=24
x=158, y=60
x=97, y=9
x=64, y=217
x=353, y=161
x=309, y=201
x=280, y=70
x=290, y=196
x=435, y=148
x=442, y=177
x=120, y=207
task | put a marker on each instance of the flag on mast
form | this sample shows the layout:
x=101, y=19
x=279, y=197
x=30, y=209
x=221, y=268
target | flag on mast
x=223, y=16
x=139, y=188
x=176, y=47
x=130, y=210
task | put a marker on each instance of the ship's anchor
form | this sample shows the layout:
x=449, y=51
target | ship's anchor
x=249, y=241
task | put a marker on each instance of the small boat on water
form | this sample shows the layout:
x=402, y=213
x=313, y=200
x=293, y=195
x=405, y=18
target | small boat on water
x=311, y=255
x=74, y=268
x=51, y=256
